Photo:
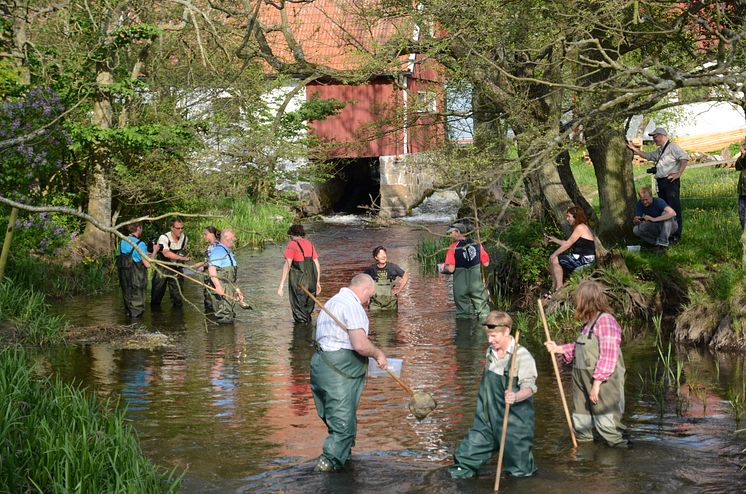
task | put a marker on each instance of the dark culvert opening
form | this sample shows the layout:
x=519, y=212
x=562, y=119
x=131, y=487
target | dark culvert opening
x=355, y=186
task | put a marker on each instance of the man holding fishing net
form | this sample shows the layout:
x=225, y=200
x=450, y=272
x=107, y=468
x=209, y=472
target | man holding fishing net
x=495, y=391
x=339, y=366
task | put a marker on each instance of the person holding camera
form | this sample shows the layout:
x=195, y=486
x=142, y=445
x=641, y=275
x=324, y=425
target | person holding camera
x=670, y=163
x=654, y=220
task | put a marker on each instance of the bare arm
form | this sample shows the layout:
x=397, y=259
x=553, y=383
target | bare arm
x=402, y=283
x=284, y=277
x=213, y=272
x=173, y=256
x=667, y=214
x=567, y=243
x=522, y=394
x=318, y=276
x=362, y=345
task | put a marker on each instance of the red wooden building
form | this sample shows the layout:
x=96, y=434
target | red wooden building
x=387, y=119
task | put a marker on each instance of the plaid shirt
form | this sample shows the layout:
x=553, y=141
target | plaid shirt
x=609, y=335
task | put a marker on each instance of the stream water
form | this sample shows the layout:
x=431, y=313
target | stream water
x=232, y=405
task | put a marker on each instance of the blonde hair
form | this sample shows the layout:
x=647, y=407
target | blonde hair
x=590, y=297
x=501, y=320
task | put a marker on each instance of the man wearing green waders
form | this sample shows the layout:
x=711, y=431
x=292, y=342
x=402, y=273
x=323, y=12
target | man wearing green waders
x=301, y=269
x=223, y=271
x=339, y=366
x=463, y=259
x=133, y=271
x=483, y=439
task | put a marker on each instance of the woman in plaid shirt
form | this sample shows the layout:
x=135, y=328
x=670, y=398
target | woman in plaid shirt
x=598, y=368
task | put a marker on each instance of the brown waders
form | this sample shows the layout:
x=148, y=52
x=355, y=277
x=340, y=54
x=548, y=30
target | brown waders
x=302, y=273
x=605, y=417
x=483, y=439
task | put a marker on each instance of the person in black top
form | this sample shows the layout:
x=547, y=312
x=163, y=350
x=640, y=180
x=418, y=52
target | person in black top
x=389, y=278
x=581, y=245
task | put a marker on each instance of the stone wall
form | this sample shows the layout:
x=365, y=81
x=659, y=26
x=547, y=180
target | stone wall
x=404, y=182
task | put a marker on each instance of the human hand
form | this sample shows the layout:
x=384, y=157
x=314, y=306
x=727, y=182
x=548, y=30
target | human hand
x=647, y=217
x=239, y=295
x=631, y=146
x=279, y=291
x=637, y=220
x=381, y=361
x=509, y=397
x=595, y=389
x=743, y=149
x=395, y=290
x=318, y=288
x=552, y=347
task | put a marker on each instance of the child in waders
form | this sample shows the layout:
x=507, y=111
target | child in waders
x=301, y=269
x=133, y=272
x=483, y=439
x=598, y=369
x=390, y=280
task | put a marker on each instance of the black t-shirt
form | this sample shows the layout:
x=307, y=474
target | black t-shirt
x=390, y=271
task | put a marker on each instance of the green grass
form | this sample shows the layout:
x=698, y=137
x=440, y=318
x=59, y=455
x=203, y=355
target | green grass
x=56, y=439
x=253, y=223
x=27, y=312
x=91, y=276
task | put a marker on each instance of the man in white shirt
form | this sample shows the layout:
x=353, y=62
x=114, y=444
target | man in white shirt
x=171, y=247
x=339, y=366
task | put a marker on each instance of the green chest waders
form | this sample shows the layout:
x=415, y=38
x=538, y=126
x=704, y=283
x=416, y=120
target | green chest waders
x=605, y=417
x=383, y=297
x=224, y=307
x=133, y=280
x=302, y=273
x=337, y=380
x=483, y=439
x=469, y=293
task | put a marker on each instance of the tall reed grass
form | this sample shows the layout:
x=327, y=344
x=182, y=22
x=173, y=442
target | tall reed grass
x=27, y=311
x=55, y=439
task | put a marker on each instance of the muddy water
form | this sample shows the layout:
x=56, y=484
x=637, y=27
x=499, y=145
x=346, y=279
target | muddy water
x=232, y=404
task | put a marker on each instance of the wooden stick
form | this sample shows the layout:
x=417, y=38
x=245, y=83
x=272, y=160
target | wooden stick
x=506, y=414
x=244, y=305
x=557, y=375
x=339, y=323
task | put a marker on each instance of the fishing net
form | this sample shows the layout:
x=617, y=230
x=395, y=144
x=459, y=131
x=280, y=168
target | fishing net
x=422, y=404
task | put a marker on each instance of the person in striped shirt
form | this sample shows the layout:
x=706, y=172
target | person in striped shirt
x=598, y=368
x=339, y=366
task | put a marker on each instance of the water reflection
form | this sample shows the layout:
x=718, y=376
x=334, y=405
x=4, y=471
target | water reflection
x=232, y=404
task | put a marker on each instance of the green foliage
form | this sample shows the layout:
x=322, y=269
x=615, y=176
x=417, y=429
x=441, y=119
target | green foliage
x=521, y=251
x=27, y=311
x=314, y=108
x=56, y=439
x=431, y=251
x=725, y=281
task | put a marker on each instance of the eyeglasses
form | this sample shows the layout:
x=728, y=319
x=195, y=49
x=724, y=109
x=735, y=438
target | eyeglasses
x=491, y=326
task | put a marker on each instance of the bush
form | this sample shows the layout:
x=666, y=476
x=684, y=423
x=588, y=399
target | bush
x=55, y=439
x=28, y=312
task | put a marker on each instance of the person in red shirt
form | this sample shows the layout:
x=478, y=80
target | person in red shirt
x=463, y=259
x=301, y=268
x=598, y=368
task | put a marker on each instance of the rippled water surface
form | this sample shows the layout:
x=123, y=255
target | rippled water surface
x=232, y=404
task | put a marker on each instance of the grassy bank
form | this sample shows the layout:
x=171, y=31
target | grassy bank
x=25, y=317
x=56, y=439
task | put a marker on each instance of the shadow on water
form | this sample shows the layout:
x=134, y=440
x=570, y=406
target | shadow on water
x=232, y=404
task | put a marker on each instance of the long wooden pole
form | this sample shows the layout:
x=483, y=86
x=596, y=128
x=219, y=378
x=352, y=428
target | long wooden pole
x=341, y=325
x=506, y=414
x=243, y=304
x=557, y=375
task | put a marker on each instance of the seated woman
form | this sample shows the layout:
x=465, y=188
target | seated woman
x=581, y=244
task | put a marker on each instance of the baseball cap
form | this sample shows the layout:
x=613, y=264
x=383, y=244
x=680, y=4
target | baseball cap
x=457, y=227
x=658, y=130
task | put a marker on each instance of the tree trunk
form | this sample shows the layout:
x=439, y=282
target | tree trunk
x=616, y=188
x=99, y=185
x=571, y=186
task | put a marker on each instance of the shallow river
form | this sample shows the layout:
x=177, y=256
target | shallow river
x=232, y=404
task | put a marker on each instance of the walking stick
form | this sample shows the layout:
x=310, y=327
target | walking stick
x=243, y=304
x=506, y=414
x=557, y=375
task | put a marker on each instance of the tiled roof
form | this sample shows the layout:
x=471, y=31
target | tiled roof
x=333, y=32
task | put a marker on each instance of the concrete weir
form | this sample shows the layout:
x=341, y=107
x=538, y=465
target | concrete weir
x=404, y=183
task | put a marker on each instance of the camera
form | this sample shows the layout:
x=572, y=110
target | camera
x=651, y=170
